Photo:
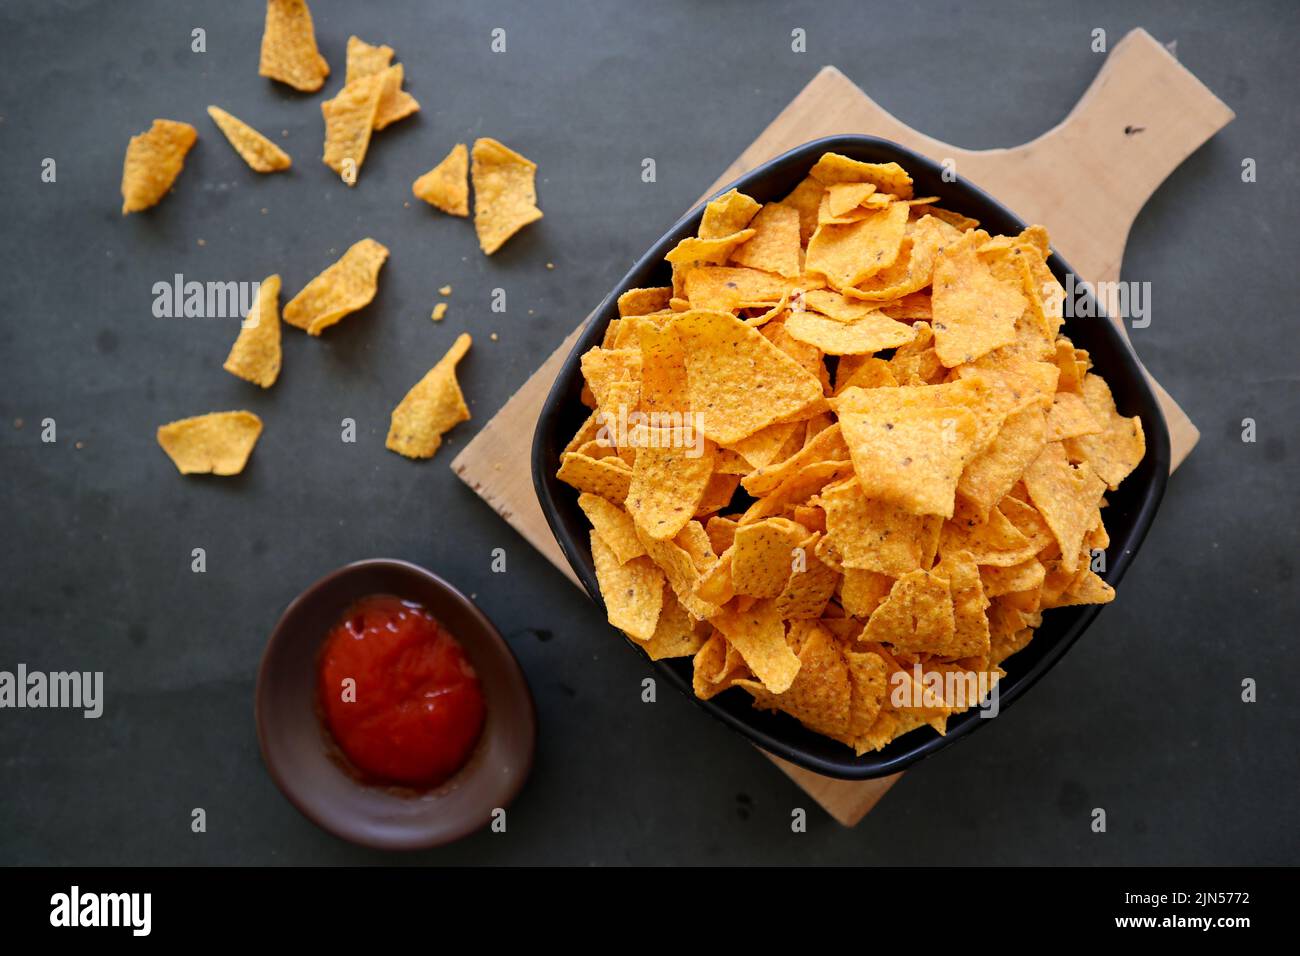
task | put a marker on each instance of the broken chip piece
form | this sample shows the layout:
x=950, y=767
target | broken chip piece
x=218, y=443
x=505, y=193
x=447, y=184
x=430, y=409
x=153, y=161
x=289, y=51
x=260, y=153
x=347, y=285
x=255, y=356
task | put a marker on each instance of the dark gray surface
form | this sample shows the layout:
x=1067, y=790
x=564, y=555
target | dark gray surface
x=1143, y=718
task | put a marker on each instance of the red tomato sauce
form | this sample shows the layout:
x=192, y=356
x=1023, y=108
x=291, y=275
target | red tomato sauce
x=416, y=709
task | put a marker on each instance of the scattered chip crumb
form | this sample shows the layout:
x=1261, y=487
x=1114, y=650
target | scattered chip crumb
x=203, y=242
x=439, y=311
x=550, y=265
x=18, y=423
x=264, y=210
x=79, y=445
x=444, y=290
x=406, y=205
x=493, y=337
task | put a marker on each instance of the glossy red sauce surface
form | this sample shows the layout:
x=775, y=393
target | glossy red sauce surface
x=398, y=693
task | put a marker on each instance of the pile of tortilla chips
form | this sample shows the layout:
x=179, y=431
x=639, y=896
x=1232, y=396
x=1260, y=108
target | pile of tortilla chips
x=846, y=454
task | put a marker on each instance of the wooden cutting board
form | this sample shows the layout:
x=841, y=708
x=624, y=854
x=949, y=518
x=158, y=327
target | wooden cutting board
x=1085, y=180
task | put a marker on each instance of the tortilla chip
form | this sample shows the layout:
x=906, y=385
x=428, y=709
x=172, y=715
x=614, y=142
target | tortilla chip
x=974, y=312
x=633, y=592
x=759, y=635
x=614, y=526
x=848, y=254
x=255, y=356
x=873, y=332
x=218, y=443
x=342, y=288
x=644, y=301
x=607, y=477
x=820, y=695
x=774, y=247
x=991, y=473
x=863, y=591
x=668, y=482
x=431, y=408
x=153, y=161
x=727, y=288
x=917, y=616
x=262, y=155
x=727, y=215
x=806, y=198
x=872, y=534
x=1067, y=496
x=349, y=119
x=763, y=556
x=677, y=558
x=394, y=102
x=910, y=456
x=1119, y=447
x=1070, y=417
x=446, y=186
x=726, y=363
x=505, y=193
x=886, y=177
x=676, y=634
x=289, y=52
x=971, y=625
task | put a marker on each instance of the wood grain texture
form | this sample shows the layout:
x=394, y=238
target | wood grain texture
x=1086, y=179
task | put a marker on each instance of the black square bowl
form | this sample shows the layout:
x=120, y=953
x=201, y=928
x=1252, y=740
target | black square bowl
x=1128, y=514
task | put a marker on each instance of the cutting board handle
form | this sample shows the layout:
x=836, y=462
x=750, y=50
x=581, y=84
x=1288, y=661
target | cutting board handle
x=1142, y=116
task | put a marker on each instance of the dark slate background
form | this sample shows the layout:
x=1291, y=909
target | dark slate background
x=1143, y=718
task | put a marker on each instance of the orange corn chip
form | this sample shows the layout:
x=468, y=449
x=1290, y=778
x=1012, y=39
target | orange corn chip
x=917, y=616
x=349, y=120
x=991, y=473
x=676, y=633
x=821, y=693
x=431, y=408
x=774, y=247
x=727, y=215
x=725, y=361
x=344, y=287
x=872, y=534
x=505, y=193
x=614, y=526
x=255, y=356
x=974, y=313
x=217, y=444
x=759, y=635
x=848, y=254
x=873, y=332
x=289, y=51
x=447, y=185
x=394, y=102
x=644, y=301
x=668, y=482
x=763, y=556
x=262, y=155
x=633, y=592
x=1118, y=447
x=886, y=177
x=153, y=161
x=1067, y=496
x=607, y=477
